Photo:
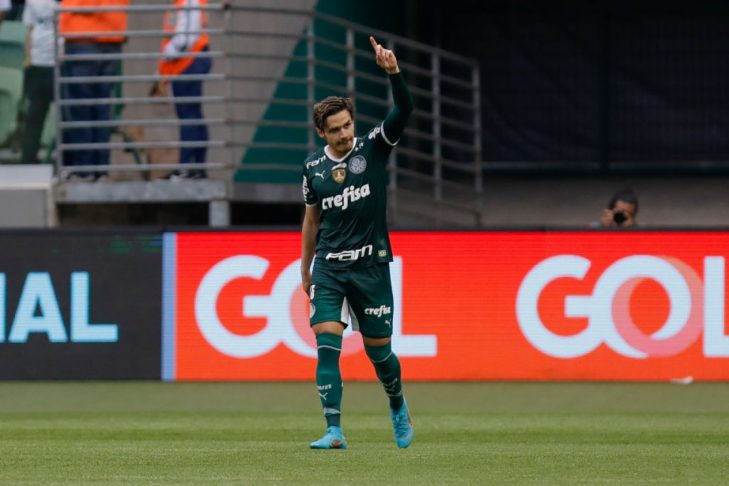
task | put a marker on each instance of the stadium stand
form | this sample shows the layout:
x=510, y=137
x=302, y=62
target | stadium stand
x=12, y=44
x=270, y=66
x=271, y=63
x=12, y=40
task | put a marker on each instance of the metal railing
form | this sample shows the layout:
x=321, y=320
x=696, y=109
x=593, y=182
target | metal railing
x=276, y=63
x=131, y=60
x=439, y=155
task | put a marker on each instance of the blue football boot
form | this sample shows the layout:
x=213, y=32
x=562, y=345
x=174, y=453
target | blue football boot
x=333, y=439
x=402, y=426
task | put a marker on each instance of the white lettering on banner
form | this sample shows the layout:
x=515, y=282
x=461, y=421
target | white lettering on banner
x=82, y=331
x=716, y=343
x=279, y=327
x=608, y=313
x=38, y=311
x=38, y=291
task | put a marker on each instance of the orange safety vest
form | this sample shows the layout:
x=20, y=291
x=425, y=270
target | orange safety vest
x=178, y=65
x=78, y=23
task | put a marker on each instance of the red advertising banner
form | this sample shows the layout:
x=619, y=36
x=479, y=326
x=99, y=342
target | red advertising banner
x=637, y=306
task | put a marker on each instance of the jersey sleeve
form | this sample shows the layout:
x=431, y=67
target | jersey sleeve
x=379, y=144
x=310, y=197
x=394, y=123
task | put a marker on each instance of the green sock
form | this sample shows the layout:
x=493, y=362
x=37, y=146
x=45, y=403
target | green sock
x=328, y=376
x=387, y=367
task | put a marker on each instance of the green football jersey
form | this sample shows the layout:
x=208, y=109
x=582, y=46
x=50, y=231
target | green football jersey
x=352, y=196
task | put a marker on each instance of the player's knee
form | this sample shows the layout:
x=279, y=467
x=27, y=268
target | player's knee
x=380, y=353
x=370, y=341
x=328, y=327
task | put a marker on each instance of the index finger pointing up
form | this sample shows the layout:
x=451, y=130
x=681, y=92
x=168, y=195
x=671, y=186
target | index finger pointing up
x=374, y=43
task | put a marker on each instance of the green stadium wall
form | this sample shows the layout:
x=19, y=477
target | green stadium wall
x=365, y=13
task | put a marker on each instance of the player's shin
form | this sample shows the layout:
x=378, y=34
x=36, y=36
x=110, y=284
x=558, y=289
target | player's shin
x=328, y=376
x=387, y=367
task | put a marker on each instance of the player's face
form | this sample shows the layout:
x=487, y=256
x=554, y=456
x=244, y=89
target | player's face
x=339, y=133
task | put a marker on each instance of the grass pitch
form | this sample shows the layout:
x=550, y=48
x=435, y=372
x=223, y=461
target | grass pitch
x=474, y=433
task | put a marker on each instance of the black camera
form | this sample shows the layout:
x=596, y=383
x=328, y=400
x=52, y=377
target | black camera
x=619, y=217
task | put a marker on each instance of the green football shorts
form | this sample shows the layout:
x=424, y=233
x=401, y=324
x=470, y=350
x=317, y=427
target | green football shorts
x=363, y=294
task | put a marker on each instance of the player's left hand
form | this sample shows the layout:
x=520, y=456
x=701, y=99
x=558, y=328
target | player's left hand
x=385, y=57
x=306, y=281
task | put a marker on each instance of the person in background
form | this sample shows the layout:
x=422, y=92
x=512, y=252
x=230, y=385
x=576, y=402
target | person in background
x=4, y=8
x=621, y=211
x=185, y=27
x=38, y=74
x=112, y=24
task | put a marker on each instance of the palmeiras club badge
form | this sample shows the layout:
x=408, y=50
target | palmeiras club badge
x=339, y=173
x=357, y=164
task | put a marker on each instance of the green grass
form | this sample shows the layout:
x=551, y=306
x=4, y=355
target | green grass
x=243, y=433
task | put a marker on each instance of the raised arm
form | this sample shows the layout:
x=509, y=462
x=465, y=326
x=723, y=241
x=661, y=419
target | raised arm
x=394, y=123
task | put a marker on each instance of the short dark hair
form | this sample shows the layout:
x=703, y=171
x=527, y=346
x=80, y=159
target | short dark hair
x=626, y=195
x=329, y=106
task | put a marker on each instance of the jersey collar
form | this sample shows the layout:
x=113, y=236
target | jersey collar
x=329, y=154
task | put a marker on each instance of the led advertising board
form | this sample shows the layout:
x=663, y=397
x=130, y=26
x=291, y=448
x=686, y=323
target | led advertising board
x=80, y=305
x=628, y=306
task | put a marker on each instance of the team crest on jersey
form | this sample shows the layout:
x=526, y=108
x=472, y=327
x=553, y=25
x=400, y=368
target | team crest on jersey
x=357, y=164
x=339, y=173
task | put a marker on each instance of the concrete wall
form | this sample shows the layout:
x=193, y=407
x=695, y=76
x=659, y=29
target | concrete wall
x=539, y=201
x=25, y=196
x=665, y=201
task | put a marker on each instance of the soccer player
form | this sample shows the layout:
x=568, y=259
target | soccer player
x=345, y=226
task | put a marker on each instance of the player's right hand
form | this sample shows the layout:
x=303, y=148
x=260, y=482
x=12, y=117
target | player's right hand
x=385, y=57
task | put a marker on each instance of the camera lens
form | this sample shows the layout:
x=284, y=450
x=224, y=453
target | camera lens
x=619, y=217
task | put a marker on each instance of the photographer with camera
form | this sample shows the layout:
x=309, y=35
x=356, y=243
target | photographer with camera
x=621, y=211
